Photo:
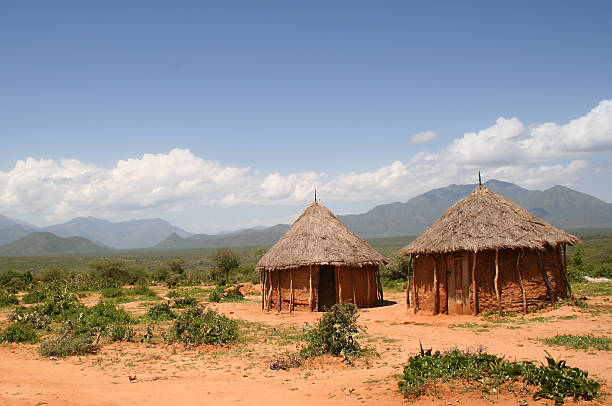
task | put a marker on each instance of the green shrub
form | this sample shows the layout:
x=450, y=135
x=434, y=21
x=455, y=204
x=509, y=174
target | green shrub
x=160, y=311
x=19, y=333
x=214, y=296
x=67, y=345
x=183, y=302
x=555, y=380
x=143, y=290
x=99, y=317
x=196, y=326
x=31, y=316
x=37, y=295
x=335, y=333
x=233, y=294
x=60, y=305
x=578, y=342
x=7, y=298
x=13, y=282
x=113, y=292
x=120, y=333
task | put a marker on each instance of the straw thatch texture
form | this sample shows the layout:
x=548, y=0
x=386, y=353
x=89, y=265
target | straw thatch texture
x=317, y=237
x=485, y=220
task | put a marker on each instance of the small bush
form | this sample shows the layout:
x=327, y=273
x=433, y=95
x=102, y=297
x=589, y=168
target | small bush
x=67, y=345
x=120, y=333
x=7, y=299
x=555, y=380
x=335, y=333
x=183, y=302
x=143, y=290
x=160, y=312
x=33, y=317
x=19, y=333
x=196, y=326
x=214, y=296
x=100, y=316
x=233, y=294
x=113, y=292
x=60, y=305
x=580, y=342
x=37, y=295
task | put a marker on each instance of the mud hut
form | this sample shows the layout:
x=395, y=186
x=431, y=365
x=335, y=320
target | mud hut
x=487, y=253
x=317, y=263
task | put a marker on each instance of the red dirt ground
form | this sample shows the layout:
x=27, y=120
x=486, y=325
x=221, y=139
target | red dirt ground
x=171, y=375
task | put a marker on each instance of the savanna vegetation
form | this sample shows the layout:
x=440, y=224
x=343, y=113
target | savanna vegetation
x=45, y=303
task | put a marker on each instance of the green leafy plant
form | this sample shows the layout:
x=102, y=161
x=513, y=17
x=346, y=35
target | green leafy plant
x=7, y=298
x=182, y=302
x=214, y=296
x=198, y=326
x=554, y=380
x=160, y=311
x=19, y=333
x=579, y=342
x=335, y=333
x=68, y=344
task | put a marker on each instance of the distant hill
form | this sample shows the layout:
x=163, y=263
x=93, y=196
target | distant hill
x=559, y=206
x=124, y=235
x=37, y=243
x=254, y=237
x=12, y=233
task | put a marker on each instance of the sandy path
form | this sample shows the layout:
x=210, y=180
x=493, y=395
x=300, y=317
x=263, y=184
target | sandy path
x=169, y=375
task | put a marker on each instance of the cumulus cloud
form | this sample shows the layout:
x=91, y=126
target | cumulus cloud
x=422, y=138
x=532, y=156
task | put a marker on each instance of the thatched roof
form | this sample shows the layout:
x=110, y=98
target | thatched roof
x=317, y=237
x=484, y=220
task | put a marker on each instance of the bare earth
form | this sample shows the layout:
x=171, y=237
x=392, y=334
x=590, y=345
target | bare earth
x=241, y=374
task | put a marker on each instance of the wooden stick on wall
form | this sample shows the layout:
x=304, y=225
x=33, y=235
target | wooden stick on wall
x=269, y=283
x=369, y=294
x=353, y=286
x=497, y=294
x=551, y=293
x=278, y=288
x=340, y=297
x=291, y=290
x=337, y=283
x=436, y=287
x=408, y=303
x=414, y=284
x=474, y=286
x=310, y=287
x=564, y=269
x=262, y=289
x=520, y=279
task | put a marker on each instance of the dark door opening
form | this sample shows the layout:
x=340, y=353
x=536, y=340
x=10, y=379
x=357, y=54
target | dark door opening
x=327, y=287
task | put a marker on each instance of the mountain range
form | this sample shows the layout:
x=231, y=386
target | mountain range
x=559, y=205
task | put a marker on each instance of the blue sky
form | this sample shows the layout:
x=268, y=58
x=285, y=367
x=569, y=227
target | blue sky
x=244, y=107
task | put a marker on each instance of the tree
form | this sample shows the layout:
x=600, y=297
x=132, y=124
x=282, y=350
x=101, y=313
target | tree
x=226, y=260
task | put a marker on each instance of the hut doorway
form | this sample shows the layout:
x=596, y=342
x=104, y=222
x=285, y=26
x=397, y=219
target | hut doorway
x=327, y=287
x=458, y=281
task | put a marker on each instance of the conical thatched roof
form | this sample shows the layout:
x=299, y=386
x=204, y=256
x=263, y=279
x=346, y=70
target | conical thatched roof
x=318, y=238
x=484, y=220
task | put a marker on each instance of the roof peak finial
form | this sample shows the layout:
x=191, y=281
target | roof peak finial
x=479, y=181
x=315, y=195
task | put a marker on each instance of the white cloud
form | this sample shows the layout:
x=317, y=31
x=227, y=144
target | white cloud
x=422, y=138
x=533, y=156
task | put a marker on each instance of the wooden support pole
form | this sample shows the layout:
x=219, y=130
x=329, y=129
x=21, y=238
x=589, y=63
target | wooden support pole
x=497, y=294
x=408, y=302
x=369, y=294
x=310, y=287
x=353, y=286
x=278, y=288
x=263, y=292
x=338, y=281
x=564, y=268
x=551, y=293
x=474, y=286
x=291, y=290
x=382, y=297
x=436, y=287
x=269, y=283
x=520, y=280
x=414, y=284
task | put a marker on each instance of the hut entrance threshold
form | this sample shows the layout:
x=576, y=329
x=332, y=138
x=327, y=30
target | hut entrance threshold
x=327, y=287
